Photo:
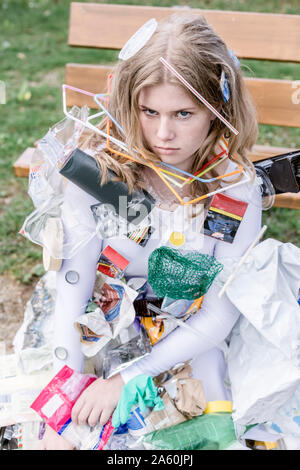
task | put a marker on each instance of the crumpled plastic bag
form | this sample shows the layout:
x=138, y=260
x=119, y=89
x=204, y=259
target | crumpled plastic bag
x=264, y=350
x=139, y=391
x=104, y=320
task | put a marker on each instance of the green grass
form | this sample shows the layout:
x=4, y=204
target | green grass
x=33, y=54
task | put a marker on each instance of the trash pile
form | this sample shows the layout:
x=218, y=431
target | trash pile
x=120, y=326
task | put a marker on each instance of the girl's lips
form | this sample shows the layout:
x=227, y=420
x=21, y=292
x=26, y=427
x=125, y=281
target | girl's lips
x=166, y=150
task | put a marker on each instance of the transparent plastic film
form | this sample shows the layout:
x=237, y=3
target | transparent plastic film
x=266, y=188
x=47, y=189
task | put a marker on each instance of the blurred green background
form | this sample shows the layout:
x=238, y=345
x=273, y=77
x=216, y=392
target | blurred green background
x=33, y=54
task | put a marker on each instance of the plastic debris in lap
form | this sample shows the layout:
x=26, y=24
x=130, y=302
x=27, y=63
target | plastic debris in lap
x=263, y=357
x=54, y=405
x=158, y=327
x=186, y=275
x=128, y=347
x=207, y=432
x=183, y=398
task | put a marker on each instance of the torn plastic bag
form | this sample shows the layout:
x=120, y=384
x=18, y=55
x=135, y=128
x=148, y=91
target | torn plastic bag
x=264, y=351
x=51, y=152
x=33, y=340
x=128, y=347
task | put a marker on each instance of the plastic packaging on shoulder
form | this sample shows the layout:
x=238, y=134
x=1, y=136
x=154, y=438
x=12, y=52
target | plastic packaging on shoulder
x=47, y=189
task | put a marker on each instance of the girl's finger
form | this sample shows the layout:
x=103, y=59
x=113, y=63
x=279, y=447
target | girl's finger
x=105, y=415
x=94, y=416
x=77, y=409
x=84, y=413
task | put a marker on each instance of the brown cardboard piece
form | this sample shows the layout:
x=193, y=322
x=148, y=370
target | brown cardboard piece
x=187, y=400
x=190, y=399
x=165, y=418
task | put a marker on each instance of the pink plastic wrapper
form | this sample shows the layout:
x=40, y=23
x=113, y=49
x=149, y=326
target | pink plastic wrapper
x=55, y=402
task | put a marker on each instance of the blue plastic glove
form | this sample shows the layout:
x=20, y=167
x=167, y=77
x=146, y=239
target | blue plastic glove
x=139, y=391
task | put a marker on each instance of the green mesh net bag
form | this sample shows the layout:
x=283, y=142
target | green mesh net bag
x=180, y=275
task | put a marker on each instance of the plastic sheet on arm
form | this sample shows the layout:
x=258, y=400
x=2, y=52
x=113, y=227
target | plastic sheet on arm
x=264, y=348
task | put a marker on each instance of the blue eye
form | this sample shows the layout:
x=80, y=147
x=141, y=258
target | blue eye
x=149, y=112
x=184, y=114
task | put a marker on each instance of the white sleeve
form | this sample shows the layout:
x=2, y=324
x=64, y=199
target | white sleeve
x=71, y=299
x=217, y=316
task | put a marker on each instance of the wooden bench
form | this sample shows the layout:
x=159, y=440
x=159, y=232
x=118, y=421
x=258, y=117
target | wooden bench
x=261, y=36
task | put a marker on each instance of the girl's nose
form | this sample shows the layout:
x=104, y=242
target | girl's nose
x=165, y=131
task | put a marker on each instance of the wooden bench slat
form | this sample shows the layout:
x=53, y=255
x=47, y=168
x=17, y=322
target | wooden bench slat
x=251, y=35
x=273, y=98
x=274, y=101
x=287, y=200
x=262, y=152
x=21, y=165
x=91, y=78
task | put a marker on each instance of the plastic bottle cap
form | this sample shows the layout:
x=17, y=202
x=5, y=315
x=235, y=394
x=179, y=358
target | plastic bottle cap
x=177, y=238
x=72, y=277
x=138, y=40
x=61, y=353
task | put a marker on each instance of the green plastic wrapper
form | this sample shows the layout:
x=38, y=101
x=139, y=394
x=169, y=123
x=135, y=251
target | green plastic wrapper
x=181, y=275
x=213, y=431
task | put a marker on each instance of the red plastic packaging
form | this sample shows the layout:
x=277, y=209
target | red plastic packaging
x=56, y=400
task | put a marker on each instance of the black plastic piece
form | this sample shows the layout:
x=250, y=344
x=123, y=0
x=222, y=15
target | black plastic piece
x=83, y=170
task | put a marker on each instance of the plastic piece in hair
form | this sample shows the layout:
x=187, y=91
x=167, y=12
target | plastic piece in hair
x=138, y=40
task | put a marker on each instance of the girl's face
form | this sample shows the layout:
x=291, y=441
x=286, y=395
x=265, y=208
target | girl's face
x=173, y=125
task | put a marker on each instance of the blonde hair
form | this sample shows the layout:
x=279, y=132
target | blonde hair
x=200, y=55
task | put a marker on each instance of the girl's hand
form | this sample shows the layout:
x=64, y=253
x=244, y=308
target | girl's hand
x=98, y=401
x=53, y=441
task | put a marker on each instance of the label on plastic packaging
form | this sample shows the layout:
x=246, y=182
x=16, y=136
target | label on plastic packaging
x=224, y=217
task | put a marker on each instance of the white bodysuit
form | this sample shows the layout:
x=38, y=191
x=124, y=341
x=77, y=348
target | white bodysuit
x=215, y=319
